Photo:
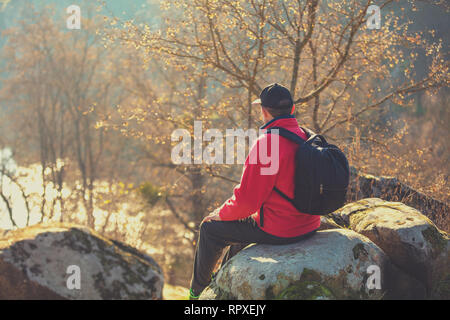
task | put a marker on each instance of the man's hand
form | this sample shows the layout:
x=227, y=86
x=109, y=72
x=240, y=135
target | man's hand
x=213, y=216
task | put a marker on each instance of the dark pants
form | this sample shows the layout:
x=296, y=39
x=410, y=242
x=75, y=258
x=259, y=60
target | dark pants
x=217, y=235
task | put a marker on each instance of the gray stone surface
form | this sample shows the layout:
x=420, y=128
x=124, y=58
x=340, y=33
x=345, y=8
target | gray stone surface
x=411, y=240
x=34, y=262
x=330, y=265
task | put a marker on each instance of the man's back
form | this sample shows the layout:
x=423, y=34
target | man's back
x=256, y=193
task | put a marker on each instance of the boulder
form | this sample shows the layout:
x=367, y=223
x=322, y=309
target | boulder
x=411, y=240
x=332, y=264
x=391, y=189
x=35, y=264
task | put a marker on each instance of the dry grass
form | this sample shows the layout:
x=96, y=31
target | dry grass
x=171, y=292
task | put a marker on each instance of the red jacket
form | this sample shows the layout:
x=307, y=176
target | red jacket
x=256, y=190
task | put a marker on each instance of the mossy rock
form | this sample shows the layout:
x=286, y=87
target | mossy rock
x=332, y=264
x=410, y=239
x=306, y=290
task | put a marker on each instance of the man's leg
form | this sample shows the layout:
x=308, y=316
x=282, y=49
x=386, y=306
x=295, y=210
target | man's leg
x=213, y=238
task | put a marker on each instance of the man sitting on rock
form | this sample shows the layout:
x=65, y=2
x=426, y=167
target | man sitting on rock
x=255, y=213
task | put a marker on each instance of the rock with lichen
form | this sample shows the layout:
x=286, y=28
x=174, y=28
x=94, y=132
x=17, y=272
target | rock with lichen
x=412, y=241
x=391, y=189
x=34, y=264
x=332, y=264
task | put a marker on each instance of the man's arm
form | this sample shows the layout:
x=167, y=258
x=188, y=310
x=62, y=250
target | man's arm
x=256, y=184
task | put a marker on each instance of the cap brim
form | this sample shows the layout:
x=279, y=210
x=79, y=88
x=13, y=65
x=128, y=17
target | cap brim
x=257, y=101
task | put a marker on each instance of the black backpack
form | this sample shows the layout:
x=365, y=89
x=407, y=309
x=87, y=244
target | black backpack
x=321, y=175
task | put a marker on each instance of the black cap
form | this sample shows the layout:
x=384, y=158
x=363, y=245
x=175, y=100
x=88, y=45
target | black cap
x=275, y=96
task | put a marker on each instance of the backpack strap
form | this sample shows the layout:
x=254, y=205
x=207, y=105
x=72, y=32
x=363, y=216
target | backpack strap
x=309, y=133
x=311, y=136
x=284, y=195
x=287, y=134
x=293, y=137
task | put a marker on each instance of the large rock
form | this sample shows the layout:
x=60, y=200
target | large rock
x=332, y=264
x=411, y=240
x=34, y=264
x=391, y=189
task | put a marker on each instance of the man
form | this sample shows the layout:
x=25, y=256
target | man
x=255, y=213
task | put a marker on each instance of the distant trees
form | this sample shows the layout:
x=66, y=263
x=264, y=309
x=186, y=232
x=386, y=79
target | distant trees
x=321, y=49
x=57, y=84
x=161, y=99
x=10, y=184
